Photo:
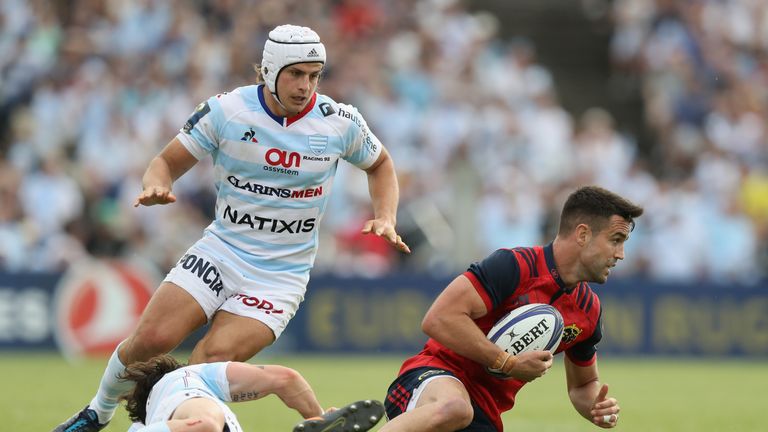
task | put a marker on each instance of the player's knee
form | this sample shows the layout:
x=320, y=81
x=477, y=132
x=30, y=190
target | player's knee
x=209, y=351
x=454, y=414
x=146, y=342
x=143, y=345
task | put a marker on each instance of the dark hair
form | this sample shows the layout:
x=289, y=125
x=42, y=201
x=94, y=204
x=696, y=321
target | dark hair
x=594, y=206
x=145, y=375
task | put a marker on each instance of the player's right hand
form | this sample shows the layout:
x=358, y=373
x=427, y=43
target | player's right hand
x=531, y=365
x=155, y=195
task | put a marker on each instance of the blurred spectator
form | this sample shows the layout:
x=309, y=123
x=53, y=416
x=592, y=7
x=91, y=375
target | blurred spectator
x=90, y=90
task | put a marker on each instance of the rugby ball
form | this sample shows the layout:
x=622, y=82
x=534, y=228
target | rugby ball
x=536, y=326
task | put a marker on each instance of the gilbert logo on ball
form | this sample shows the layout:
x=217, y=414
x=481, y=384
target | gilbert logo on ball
x=530, y=327
x=98, y=304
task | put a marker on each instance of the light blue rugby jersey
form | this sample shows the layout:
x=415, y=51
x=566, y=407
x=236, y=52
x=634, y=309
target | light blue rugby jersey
x=274, y=174
x=208, y=378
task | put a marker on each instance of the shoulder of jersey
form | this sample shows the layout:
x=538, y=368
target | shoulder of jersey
x=528, y=261
x=586, y=299
x=340, y=113
x=237, y=93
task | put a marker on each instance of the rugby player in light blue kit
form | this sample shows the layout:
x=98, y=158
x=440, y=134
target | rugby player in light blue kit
x=275, y=148
x=169, y=397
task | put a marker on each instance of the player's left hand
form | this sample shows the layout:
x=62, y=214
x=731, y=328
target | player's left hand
x=605, y=410
x=386, y=229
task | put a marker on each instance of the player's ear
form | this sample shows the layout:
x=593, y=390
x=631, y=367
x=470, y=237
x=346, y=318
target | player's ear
x=583, y=234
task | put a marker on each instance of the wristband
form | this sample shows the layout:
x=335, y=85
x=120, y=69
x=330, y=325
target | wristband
x=504, y=362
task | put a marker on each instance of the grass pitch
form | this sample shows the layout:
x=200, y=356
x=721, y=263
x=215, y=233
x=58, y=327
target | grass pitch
x=41, y=390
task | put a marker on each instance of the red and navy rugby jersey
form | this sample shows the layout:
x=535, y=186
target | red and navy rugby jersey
x=507, y=279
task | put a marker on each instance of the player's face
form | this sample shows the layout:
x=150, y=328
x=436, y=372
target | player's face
x=604, y=249
x=296, y=84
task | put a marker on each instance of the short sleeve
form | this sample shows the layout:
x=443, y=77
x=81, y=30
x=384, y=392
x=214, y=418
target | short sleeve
x=499, y=274
x=583, y=353
x=200, y=133
x=215, y=376
x=362, y=146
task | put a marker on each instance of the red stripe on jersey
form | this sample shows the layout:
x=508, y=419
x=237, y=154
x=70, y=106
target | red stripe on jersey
x=290, y=120
x=523, y=265
x=480, y=289
x=582, y=290
x=533, y=261
x=589, y=304
x=400, y=397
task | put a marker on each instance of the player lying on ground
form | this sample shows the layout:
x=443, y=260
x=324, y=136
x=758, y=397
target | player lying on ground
x=171, y=397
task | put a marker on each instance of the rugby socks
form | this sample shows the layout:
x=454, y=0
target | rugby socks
x=110, y=388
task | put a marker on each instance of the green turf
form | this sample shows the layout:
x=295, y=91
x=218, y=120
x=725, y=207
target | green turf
x=40, y=390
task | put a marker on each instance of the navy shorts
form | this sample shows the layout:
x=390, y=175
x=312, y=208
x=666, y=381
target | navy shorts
x=401, y=390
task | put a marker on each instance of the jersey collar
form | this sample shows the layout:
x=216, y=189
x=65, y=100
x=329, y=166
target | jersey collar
x=549, y=256
x=285, y=121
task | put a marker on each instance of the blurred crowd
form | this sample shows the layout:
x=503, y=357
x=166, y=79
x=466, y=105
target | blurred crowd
x=90, y=91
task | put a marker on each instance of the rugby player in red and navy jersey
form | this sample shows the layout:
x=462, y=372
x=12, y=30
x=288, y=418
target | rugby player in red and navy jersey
x=446, y=387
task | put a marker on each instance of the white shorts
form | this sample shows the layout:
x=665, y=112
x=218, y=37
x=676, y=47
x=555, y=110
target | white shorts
x=417, y=391
x=219, y=279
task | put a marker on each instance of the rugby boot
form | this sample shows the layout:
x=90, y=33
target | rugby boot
x=84, y=421
x=356, y=417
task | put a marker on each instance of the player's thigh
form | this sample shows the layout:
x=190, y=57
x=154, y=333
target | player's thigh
x=232, y=337
x=418, y=387
x=441, y=389
x=171, y=315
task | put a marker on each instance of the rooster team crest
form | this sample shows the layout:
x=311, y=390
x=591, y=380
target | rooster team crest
x=318, y=143
x=570, y=333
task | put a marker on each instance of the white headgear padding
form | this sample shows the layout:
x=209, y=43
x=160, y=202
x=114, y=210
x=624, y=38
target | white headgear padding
x=287, y=45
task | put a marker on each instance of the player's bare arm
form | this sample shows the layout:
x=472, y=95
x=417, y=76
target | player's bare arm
x=385, y=193
x=250, y=382
x=172, y=162
x=589, y=396
x=450, y=321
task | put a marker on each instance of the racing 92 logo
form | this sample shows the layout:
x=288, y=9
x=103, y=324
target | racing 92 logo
x=283, y=158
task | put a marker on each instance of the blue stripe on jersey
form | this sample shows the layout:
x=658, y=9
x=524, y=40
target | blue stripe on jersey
x=215, y=376
x=216, y=114
x=268, y=264
x=353, y=135
x=288, y=140
x=274, y=250
x=251, y=97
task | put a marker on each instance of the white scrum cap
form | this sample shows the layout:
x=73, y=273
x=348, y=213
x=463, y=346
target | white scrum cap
x=289, y=44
